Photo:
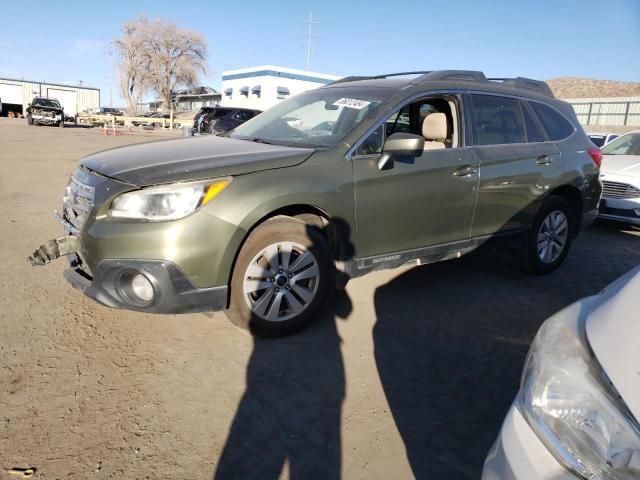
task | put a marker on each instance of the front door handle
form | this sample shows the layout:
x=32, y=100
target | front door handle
x=544, y=160
x=465, y=172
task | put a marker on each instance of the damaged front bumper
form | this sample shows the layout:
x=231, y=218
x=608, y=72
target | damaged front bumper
x=53, y=249
x=48, y=120
x=112, y=283
x=172, y=290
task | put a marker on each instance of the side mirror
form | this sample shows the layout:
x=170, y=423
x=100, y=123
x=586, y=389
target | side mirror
x=400, y=145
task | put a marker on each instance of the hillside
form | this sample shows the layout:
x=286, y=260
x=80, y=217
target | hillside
x=575, y=87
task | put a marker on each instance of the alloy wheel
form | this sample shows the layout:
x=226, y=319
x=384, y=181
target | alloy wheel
x=281, y=281
x=553, y=236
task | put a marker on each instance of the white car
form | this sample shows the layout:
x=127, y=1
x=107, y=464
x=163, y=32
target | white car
x=601, y=139
x=576, y=414
x=620, y=175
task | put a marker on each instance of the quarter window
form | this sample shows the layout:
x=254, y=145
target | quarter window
x=373, y=143
x=497, y=120
x=556, y=125
x=399, y=122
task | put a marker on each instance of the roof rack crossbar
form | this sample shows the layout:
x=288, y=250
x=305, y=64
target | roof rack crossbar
x=528, y=83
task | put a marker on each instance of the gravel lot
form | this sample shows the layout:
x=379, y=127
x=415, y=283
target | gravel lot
x=408, y=374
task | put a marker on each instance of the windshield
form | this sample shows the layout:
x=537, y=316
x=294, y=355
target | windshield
x=317, y=118
x=46, y=102
x=628, y=144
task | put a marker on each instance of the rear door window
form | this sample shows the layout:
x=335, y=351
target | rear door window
x=497, y=120
x=534, y=134
x=557, y=127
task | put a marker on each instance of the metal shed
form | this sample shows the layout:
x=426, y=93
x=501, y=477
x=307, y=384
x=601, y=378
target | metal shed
x=16, y=95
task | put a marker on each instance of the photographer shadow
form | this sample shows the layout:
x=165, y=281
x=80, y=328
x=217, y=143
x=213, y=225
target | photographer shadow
x=291, y=410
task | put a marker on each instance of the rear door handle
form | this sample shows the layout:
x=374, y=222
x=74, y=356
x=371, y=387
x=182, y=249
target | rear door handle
x=465, y=172
x=544, y=160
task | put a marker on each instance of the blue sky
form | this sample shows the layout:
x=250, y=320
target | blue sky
x=539, y=39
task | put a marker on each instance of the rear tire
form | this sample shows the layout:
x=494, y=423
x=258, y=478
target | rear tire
x=549, y=240
x=283, y=276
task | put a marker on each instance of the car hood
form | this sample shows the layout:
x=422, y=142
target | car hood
x=191, y=158
x=613, y=332
x=621, y=165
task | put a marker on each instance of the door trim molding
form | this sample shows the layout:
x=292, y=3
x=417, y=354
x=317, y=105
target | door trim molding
x=431, y=254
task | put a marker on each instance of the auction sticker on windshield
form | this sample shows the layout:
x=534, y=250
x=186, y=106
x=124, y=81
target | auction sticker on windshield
x=351, y=103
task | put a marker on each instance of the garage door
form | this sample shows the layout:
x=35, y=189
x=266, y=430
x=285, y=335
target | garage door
x=11, y=93
x=67, y=98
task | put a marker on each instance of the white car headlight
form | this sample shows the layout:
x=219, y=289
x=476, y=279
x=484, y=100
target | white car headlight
x=166, y=202
x=567, y=401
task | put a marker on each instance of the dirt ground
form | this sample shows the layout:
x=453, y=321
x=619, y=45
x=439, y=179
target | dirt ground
x=407, y=374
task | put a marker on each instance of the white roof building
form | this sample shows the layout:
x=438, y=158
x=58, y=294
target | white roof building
x=263, y=86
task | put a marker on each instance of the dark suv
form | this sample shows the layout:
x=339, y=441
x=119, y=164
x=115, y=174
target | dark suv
x=363, y=174
x=45, y=111
x=218, y=120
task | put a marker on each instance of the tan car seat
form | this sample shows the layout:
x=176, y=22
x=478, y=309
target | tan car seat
x=434, y=131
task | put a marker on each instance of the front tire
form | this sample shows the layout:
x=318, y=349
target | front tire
x=549, y=240
x=283, y=276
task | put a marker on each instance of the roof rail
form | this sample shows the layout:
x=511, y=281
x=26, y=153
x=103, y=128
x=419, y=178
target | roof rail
x=528, y=83
x=400, y=74
x=459, y=75
x=466, y=75
x=349, y=79
x=376, y=77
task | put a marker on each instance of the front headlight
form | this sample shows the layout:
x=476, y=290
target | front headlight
x=166, y=202
x=568, y=403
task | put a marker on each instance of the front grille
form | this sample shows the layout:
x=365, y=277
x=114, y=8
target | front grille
x=619, y=190
x=77, y=202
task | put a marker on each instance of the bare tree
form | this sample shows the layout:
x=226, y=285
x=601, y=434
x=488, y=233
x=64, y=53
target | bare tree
x=176, y=57
x=133, y=63
x=159, y=55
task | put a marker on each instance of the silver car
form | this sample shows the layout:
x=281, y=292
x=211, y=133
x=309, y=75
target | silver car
x=575, y=416
x=620, y=175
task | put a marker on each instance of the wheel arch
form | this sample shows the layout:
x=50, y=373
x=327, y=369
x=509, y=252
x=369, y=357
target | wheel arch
x=335, y=230
x=574, y=197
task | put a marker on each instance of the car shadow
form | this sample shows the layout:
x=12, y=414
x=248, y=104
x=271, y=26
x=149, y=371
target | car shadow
x=451, y=339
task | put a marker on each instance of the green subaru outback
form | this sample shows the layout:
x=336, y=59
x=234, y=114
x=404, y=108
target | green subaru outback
x=362, y=174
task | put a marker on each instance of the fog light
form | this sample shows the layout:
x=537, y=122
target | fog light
x=142, y=288
x=135, y=288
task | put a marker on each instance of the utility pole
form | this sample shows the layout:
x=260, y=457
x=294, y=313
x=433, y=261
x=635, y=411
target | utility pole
x=310, y=24
x=110, y=77
x=110, y=87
